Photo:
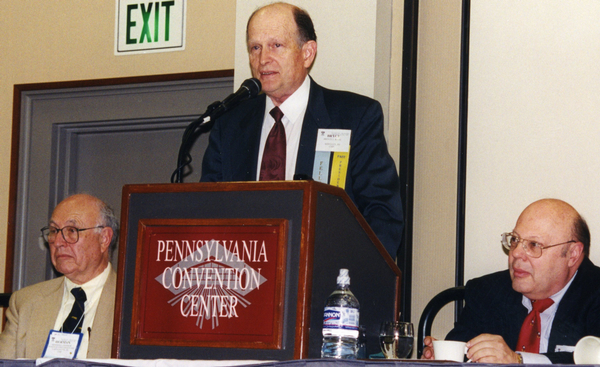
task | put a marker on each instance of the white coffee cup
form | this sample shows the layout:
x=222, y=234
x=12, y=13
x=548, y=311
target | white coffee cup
x=449, y=350
x=587, y=350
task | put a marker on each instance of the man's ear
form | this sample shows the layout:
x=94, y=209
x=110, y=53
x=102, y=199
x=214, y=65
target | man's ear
x=105, y=238
x=309, y=52
x=575, y=253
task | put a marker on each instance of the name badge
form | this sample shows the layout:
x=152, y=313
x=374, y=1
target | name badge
x=62, y=345
x=331, y=156
x=564, y=348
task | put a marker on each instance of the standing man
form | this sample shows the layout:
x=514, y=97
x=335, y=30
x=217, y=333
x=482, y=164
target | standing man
x=80, y=234
x=548, y=299
x=253, y=142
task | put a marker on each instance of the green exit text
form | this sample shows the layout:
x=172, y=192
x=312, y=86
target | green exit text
x=156, y=22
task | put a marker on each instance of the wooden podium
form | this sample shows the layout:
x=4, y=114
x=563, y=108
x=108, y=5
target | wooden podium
x=242, y=270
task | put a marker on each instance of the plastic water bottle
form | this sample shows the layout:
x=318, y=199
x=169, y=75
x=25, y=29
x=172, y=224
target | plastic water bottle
x=340, y=321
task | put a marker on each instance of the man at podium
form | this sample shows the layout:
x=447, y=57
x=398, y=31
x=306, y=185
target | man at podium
x=303, y=130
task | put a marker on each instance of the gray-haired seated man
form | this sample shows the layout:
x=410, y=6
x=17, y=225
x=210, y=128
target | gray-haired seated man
x=76, y=309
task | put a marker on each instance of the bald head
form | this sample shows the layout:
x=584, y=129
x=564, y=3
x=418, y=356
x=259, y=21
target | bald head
x=281, y=49
x=84, y=228
x=305, y=30
x=559, y=231
x=559, y=214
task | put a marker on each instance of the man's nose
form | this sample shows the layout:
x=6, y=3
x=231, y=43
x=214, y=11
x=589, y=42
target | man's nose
x=59, y=241
x=519, y=251
x=265, y=56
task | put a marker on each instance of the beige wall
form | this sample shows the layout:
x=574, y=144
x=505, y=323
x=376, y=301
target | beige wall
x=534, y=112
x=65, y=40
x=436, y=152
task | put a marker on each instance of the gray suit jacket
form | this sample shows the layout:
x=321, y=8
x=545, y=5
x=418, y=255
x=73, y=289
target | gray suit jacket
x=32, y=313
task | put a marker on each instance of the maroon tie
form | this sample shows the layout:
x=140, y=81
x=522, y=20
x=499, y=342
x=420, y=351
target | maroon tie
x=531, y=330
x=273, y=162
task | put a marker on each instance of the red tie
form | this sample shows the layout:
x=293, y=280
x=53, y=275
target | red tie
x=273, y=162
x=531, y=330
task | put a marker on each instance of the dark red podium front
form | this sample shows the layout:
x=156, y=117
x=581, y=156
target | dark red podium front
x=242, y=270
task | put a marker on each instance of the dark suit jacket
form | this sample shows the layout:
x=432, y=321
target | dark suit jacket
x=493, y=307
x=372, y=181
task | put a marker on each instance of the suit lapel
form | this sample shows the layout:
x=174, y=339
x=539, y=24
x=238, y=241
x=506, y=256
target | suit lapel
x=245, y=143
x=564, y=327
x=514, y=318
x=101, y=336
x=315, y=118
x=43, y=318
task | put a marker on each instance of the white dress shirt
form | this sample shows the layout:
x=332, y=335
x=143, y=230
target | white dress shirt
x=93, y=290
x=294, y=109
x=546, y=317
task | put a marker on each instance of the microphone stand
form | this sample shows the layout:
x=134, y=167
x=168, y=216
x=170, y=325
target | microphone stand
x=249, y=89
x=191, y=132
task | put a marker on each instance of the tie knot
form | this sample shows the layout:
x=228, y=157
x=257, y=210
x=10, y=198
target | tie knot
x=276, y=113
x=541, y=304
x=79, y=294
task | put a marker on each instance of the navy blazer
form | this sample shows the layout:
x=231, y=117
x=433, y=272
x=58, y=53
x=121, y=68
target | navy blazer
x=372, y=180
x=493, y=307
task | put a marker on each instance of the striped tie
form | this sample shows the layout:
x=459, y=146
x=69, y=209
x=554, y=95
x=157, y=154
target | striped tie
x=74, y=321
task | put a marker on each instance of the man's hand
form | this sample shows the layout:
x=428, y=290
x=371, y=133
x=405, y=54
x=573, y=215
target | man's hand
x=488, y=348
x=428, y=350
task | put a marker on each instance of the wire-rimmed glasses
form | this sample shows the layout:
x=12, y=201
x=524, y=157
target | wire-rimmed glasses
x=510, y=241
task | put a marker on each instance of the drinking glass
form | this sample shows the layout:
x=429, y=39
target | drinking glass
x=396, y=339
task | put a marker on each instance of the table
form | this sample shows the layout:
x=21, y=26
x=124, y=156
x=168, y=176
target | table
x=209, y=363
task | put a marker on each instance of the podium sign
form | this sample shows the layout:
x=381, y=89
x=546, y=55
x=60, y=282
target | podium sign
x=209, y=283
x=242, y=270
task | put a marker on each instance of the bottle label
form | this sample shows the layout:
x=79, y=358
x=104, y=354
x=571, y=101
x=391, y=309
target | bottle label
x=340, y=321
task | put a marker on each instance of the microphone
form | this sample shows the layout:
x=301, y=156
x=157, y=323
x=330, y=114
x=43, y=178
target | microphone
x=249, y=89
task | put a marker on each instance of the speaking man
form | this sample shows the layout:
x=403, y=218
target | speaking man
x=276, y=136
x=548, y=299
x=80, y=233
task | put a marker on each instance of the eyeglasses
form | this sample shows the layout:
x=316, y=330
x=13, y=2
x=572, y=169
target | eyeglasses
x=510, y=241
x=69, y=233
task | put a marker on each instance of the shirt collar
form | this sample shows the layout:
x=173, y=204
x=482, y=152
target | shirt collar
x=91, y=286
x=294, y=105
x=559, y=295
x=556, y=297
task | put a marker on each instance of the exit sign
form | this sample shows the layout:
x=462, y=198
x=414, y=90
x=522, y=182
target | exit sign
x=149, y=26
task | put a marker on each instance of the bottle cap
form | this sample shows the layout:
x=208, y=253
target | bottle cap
x=343, y=278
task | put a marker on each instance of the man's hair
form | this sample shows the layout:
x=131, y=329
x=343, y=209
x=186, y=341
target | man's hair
x=581, y=233
x=306, y=29
x=304, y=24
x=109, y=219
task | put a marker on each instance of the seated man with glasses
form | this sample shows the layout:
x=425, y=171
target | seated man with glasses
x=75, y=309
x=548, y=299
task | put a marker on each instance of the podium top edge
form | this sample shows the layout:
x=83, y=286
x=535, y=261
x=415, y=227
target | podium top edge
x=305, y=185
